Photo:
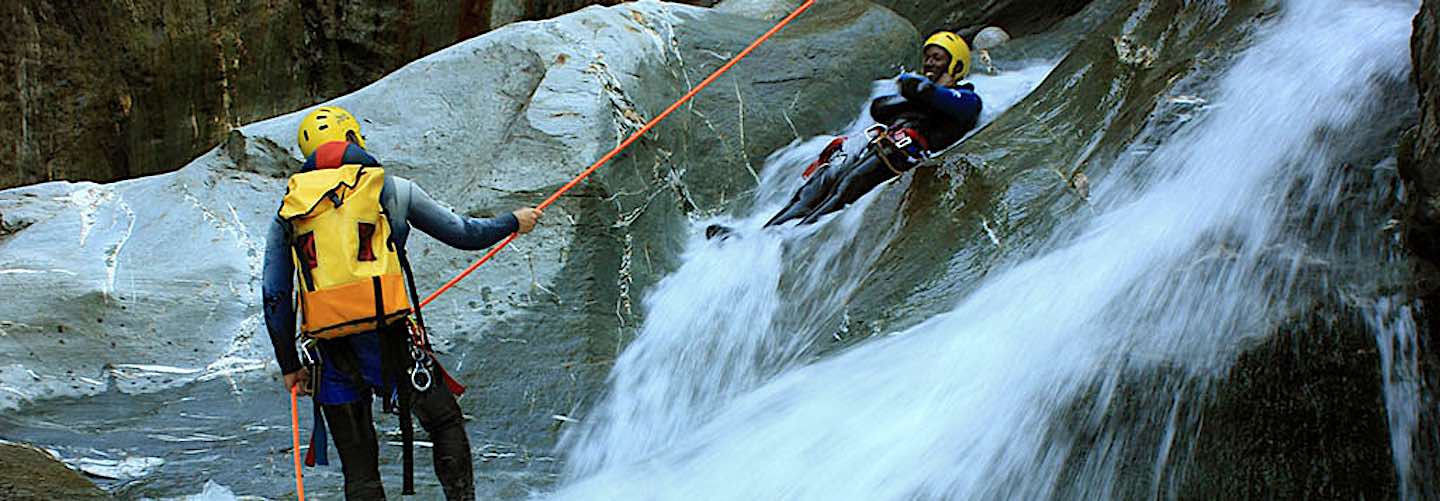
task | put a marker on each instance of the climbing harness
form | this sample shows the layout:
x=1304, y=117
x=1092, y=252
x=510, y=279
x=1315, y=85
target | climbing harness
x=903, y=143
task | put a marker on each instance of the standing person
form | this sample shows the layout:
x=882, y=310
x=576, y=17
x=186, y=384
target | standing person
x=340, y=234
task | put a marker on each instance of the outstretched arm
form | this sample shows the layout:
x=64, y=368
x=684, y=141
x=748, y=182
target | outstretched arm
x=467, y=233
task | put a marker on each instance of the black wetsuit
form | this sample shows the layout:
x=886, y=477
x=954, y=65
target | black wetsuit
x=939, y=115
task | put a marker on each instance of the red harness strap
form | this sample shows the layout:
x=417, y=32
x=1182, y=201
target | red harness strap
x=825, y=156
x=904, y=146
x=910, y=141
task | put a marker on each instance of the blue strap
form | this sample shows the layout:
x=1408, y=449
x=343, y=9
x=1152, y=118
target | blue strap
x=319, y=443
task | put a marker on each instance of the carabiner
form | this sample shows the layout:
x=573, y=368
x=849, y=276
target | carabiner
x=309, y=355
x=420, y=378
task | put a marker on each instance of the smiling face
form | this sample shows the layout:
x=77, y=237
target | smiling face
x=936, y=62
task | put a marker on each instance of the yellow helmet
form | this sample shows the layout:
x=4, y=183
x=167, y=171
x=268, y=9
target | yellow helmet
x=958, y=49
x=327, y=124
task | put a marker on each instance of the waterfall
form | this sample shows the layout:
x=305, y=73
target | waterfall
x=1194, y=250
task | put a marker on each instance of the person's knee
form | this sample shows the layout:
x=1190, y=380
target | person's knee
x=438, y=410
x=846, y=194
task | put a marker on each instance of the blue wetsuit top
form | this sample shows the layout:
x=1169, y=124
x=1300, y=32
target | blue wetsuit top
x=941, y=114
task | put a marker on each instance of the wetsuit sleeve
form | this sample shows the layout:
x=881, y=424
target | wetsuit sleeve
x=457, y=231
x=886, y=109
x=960, y=103
x=277, y=296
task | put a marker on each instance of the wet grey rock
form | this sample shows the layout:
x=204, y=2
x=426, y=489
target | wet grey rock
x=1419, y=169
x=261, y=156
x=1420, y=149
x=147, y=288
x=150, y=286
x=1301, y=416
x=994, y=196
x=1019, y=17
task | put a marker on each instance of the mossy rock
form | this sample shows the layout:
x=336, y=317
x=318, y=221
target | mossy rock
x=33, y=474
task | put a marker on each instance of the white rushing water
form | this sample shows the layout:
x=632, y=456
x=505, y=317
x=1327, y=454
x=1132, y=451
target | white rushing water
x=1394, y=326
x=714, y=400
x=711, y=333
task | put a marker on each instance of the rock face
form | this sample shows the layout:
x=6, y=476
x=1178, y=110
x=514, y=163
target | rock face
x=117, y=90
x=142, y=290
x=1420, y=151
x=1019, y=17
x=545, y=9
x=1267, y=417
x=33, y=475
x=1419, y=159
x=133, y=304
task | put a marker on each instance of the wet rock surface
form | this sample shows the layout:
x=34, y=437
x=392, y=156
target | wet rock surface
x=1419, y=157
x=1419, y=169
x=1019, y=17
x=1420, y=152
x=1301, y=416
x=136, y=301
x=141, y=296
x=1258, y=430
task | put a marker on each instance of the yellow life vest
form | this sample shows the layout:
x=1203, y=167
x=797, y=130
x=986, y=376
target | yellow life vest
x=350, y=276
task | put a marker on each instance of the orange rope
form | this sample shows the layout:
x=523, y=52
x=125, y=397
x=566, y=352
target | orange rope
x=623, y=145
x=295, y=435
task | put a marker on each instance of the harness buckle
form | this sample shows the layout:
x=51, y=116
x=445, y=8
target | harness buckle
x=875, y=132
x=898, y=141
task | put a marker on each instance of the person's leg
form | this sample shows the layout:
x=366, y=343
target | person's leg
x=353, y=430
x=815, y=189
x=863, y=178
x=440, y=415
